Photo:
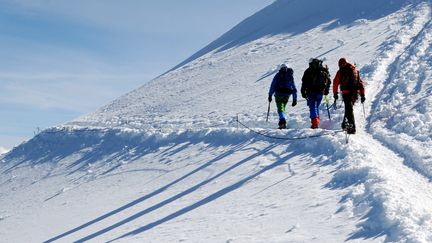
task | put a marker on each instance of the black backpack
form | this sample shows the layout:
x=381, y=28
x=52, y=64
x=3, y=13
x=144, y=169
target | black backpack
x=320, y=75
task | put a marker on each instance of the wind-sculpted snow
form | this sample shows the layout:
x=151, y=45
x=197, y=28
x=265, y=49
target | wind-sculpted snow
x=214, y=163
x=379, y=186
x=98, y=154
x=108, y=144
x=190, y=157
x=402, y=114
x=294, y=17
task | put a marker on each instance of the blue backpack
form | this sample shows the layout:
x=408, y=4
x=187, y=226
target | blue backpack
x=285, y=82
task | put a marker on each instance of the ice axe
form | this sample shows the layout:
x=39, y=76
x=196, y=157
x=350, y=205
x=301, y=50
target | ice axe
x=328, y=108
x=268, y=111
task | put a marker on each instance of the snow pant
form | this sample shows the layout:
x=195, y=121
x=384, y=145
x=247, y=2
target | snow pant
x=349, y=101
x=314, y=101
x=281, y=102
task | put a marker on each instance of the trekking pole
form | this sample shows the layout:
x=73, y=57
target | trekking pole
x=237, y=120
x=328, y=108
x=364, y=113
x=268, y=112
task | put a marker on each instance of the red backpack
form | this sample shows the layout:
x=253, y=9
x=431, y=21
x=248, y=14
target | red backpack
x=350, y=78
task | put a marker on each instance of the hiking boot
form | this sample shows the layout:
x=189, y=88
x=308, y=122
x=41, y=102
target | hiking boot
x=344, y=126
x=351, y=129
x=315, y=123
x=282, y=124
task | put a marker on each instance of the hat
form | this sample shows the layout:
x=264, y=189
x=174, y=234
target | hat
x=342, y=62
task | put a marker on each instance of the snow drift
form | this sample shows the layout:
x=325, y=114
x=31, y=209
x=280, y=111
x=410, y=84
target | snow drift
x=169, y=161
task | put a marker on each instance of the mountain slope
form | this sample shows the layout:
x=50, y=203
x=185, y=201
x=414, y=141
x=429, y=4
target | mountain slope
x=168, y=161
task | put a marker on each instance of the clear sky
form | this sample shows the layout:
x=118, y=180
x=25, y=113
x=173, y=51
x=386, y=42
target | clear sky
x=61, y=59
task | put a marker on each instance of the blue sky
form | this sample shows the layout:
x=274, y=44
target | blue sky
x=61, y=59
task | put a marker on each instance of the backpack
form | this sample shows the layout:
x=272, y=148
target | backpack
x=285, y=82
x=320, y=75
x=350, y=79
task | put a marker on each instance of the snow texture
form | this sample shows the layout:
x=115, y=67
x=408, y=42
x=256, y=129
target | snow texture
x=189, y=156
x=3, y=150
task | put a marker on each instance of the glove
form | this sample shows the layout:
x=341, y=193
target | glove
x=269, y=99
x=326, y=92
x=294, y=103
x=362, y=99
x=336, y=96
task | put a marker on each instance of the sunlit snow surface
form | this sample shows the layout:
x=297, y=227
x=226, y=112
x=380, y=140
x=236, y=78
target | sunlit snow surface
x=168, y=162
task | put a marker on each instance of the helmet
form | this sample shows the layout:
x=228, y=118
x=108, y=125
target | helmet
x=342, y=62
x=283, y=67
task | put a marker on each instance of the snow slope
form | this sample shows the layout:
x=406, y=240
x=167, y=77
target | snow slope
x=168, y=162
x=3, y=150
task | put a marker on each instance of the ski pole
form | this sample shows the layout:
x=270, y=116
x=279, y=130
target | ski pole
x=268, y=112
x=237, y=121
x=328, y=108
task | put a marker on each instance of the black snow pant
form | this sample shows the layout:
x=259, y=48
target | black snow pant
x=349, y=100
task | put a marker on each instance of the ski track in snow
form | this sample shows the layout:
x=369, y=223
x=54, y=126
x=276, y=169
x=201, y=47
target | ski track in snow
x=200, y=177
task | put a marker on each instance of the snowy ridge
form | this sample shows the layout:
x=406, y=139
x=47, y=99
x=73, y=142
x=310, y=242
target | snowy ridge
x=402, y=221
x=395, y=204
x=240, y=72
x=409, y=132
x=168, y=161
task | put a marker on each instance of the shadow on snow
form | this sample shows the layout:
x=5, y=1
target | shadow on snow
x=150, y=195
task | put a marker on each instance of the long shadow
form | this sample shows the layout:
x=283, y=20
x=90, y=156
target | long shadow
x=147, y=196
x=53, y=145
x=343, y=181
x=367, y=232
x=176, y=197
x=100, y=146
x=266, y=75
x=274, y=184
x=208, y=199
x=328, y=51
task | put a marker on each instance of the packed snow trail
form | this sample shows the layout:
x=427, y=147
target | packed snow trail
x=394, y=195
x=402, y=114
x=167, y=162
x=400, y=190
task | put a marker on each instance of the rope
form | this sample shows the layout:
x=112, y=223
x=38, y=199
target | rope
x=287, y=138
